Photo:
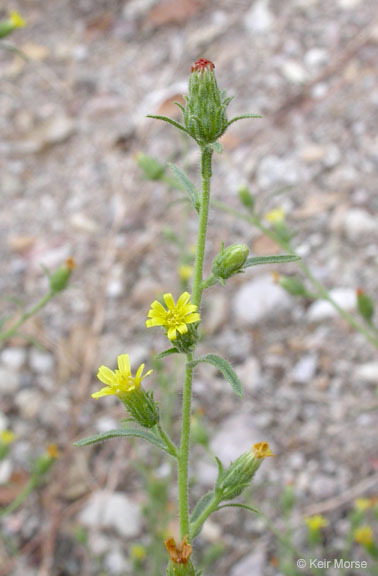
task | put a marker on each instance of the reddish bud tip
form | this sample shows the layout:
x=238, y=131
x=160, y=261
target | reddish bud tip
x=360, y=292
x=201, y=65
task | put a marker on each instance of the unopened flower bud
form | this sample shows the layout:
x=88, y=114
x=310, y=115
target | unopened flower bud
x=365, y=305
x=229, y=261
x=151, y=168
x=59, y=279
x=142, y=407
x=14, y=21
x=238, y=476
x=205, y=116
x=246, y=197
x=291, y=284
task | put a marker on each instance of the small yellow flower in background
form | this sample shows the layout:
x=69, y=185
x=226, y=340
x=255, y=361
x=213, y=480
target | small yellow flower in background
x=120, y=381
x=185, y=272
x=138, y=552
x=7, y=437
x=316, y=523
x=362, y=504
x=17, y=20
x=176, y=317
x=262, y=450
x=275, y=216
x=364, y=535
x=53, y=451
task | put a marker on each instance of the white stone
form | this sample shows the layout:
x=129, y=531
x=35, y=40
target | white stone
x=349, y=4
x=112, y=510
x=5, y=471
x=321, y=309
x=305, y=369
x=368, y=373
x=359, y=224
x=316, y=57
x=259, y=19
x=29, y=403
x=294, y=72
x=260, y=299
x=13, y=357
x=41, y=362
x=251, y=565
x=116, y=563
x=9, y=381
x=250, y=375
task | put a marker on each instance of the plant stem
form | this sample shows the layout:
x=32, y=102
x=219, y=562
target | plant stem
x=183, y=462
x=168, y=442
x=210, y=508
x=321, y=291
x=25, y=316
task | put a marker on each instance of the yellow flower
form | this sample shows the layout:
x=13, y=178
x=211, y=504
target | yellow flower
x=17, y=20
x=275, y=216
x=315, y=523
x=185, y=272
x=364, y=535
x=176, y=317
x=120, y=381
x=363, y=504
x=138, y=552
x=262, y=450
x=53, y=451
x=7, y=437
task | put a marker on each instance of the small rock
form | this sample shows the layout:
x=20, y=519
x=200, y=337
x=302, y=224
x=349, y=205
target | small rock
x=359, y=224
x=316, y=57
x=10, y=381
x=216, y=313
x=276, y=171
x=112, y=510
x=349, y=4
x=253, y=564
x=367, y=373
x=116, y=563
x=56, y=129
x=250, y=375
x=29, y=403
x=294, y=72
x=322, y=487
x=260, y=299
x=41, y=362
x=321, y=310
x=259, y=19
x=13, y=357
x=312, y=153
x=5, y=471
x=305, y=369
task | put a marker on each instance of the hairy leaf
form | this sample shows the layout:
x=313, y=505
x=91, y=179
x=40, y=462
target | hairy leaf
x=187, y=185
x=224, y=367
x=257, y=260
x=123, y=432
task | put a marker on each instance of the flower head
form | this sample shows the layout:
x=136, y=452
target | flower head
x=17, y=20
x=178, y=554
x=121, y=381
x=53, y=451
x=176, y=317
x=7, y=437
x=364, y=535
x=262, y=450
x=315, y=523
x=362, y=504
x=275, y=216
x=201, y=65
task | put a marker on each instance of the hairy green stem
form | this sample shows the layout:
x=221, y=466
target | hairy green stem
x=168, y=442
x=321, y=291
x=25, y=316
x=210, y=508
x=183, y=462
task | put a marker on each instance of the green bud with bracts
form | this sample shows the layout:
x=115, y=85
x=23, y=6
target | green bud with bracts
x=229, y=261
x=179, y=558
x=365, y=305
x=232, y=481
x=205, y=117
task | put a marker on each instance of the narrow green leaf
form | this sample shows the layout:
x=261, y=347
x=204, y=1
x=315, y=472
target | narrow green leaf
x=257, y=260
x=166, y=353
x=242, y=117
x=236, y=505
x=170, y=121
x=224, y=367
x=123, y=432
x=180, y=106
x=187, y=184
x=201, y=505
x=217, y=147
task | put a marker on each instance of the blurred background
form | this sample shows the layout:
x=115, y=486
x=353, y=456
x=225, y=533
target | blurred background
x=73, y=121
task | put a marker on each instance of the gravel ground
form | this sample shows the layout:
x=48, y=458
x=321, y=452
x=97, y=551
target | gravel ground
x=73, y=118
